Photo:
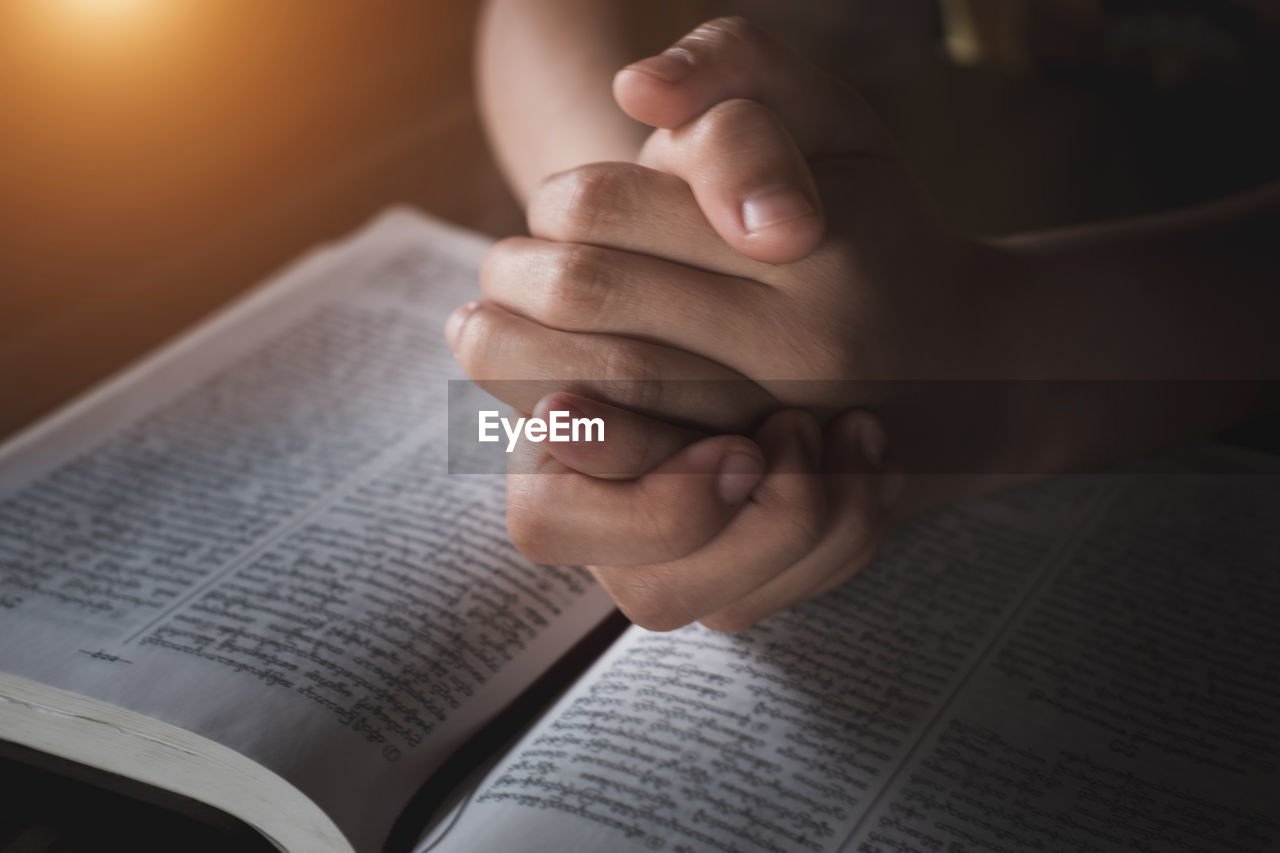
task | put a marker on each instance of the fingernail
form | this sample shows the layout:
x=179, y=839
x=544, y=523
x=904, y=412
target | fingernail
x=573, y=412
x=542, y=408
x=672, y=65
x=768, y=207
x=739, y=474
x=811, y=441
x=453, y=326
x=871, y=434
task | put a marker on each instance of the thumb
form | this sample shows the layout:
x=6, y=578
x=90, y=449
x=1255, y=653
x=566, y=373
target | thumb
x=731, y=58
x=750, y=181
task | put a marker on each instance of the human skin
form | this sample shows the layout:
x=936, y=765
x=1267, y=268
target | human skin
x=880, y=290
x=543, y=73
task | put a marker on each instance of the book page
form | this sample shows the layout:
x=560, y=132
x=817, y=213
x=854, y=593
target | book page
x=254, y=536
x=1132, y=704
x=1023, y=672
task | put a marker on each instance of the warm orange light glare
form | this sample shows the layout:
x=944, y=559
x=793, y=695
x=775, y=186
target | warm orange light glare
x=109, y=19
x=94, y=28
x=104, y=9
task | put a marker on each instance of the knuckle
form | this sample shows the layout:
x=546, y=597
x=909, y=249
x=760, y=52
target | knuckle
x=648, y=601
x=501, y=258
x=589, y=189
x=631, y=376
x=625, y=361
x=577, y=287
x=582, y=202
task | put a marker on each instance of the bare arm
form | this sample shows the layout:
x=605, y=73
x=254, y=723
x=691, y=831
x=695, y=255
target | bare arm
x=545, y=68
x=1178, y=310
x=1102, y=340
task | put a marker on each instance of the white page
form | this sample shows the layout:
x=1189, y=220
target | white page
x=810, y=732
x=254, y=536
x=777, y=737
x=1132, y=703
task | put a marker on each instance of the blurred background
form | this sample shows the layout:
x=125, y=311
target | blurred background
x=159, y=156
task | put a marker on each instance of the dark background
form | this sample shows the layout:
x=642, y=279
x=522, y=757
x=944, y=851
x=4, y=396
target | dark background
x=155, y=164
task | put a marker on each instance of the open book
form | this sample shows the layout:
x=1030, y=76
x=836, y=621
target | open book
x=241, y=573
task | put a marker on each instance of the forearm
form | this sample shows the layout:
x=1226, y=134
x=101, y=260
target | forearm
x=545, y=70
x=1164, y=326
x=1190, y=294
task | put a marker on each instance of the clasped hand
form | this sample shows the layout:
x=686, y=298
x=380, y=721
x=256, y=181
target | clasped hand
x=738, y=305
